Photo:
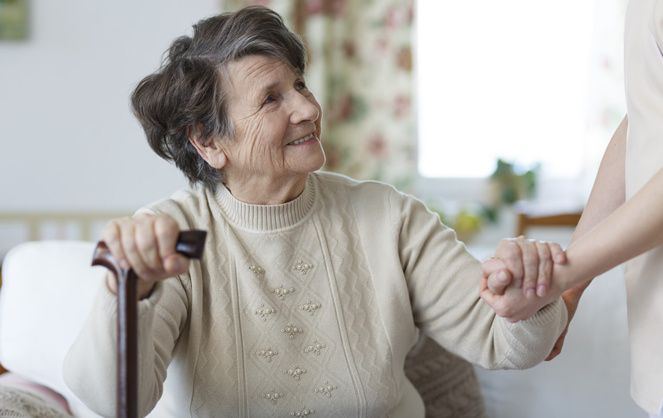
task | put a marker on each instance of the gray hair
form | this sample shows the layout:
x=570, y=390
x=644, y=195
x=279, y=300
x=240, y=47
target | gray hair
x=187, y=93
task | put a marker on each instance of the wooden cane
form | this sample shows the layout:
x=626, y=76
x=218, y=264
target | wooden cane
x=190, y=244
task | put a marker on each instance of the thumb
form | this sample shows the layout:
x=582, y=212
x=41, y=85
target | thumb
x=176, y=264
x=492, y=265
x=498, y=281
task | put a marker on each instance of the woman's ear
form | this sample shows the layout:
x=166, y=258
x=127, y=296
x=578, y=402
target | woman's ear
x=210, y=151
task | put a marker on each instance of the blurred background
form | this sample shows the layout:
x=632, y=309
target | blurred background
x=471, y=106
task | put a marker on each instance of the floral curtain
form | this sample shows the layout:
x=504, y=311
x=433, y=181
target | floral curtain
x=360, y=68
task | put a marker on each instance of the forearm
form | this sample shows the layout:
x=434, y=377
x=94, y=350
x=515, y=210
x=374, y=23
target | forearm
x=471, y=328
x=634, y=228
x=90, y=367
x=586, y=255
x=608, y=192
x=531, y=340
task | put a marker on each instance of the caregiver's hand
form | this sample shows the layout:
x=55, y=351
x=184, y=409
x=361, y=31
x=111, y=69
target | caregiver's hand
x=146, y=244
x=525, y=262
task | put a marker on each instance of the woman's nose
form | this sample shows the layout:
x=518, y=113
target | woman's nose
x=304, y=108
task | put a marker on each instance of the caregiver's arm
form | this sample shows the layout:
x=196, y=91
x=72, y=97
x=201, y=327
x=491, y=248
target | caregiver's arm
x=606, y=196
x=634, y=228
x=608, y=193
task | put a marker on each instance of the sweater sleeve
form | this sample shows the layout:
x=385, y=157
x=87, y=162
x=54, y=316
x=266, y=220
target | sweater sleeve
x=443, y=282
x=90, y=366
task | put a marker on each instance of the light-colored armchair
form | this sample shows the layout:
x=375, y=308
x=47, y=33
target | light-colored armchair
x=47, y=292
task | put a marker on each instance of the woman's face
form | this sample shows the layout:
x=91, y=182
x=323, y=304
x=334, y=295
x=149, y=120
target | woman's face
x=276, y=122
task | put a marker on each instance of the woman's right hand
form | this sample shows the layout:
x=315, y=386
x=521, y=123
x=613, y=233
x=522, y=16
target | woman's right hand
x=146, y=244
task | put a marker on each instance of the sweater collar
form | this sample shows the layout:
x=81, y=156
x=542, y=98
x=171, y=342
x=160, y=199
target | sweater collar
x=264, y=218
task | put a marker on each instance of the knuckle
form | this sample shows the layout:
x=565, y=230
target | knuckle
x=163, y=219
x=531, y=253
x=506, y=246
x=144, y=216
x=166, y=234
x=512, y=257
x=168, y=219
x=111, y=230
x=506, y=241
x=145, y=244
x=165, y=227
x=544, y=264
x=542, y=248
x=129, y=243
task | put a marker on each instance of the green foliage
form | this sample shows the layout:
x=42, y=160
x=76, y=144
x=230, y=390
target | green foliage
x=512, y=183
x=466, y=221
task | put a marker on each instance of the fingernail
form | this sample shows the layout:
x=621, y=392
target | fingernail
x=530, y=293
x=501, y=276
x=541, y=290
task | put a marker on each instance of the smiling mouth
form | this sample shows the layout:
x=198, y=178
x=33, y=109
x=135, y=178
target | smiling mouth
x=299, y=141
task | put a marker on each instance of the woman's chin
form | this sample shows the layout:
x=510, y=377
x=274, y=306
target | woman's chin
x=310, y=161
x=321, y=160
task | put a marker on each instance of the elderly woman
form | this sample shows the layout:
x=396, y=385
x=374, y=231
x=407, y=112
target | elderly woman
x=313, y=286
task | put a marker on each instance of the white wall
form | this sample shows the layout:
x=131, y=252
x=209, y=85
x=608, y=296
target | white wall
x=68, y=140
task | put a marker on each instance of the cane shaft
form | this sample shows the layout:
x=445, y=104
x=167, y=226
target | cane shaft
x=127, y=346
x=189, y=244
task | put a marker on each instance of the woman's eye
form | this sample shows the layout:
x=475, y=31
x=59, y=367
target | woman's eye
x=300, y=85
x=269, y=99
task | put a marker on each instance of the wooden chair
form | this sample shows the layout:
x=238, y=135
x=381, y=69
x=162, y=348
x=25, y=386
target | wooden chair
x=532, y=216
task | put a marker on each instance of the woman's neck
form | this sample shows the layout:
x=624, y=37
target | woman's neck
x=267, y=192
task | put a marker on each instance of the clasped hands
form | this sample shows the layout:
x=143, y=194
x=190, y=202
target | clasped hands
x=518, y=281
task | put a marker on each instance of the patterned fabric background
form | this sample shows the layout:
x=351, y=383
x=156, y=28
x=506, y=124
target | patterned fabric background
x=356, y=50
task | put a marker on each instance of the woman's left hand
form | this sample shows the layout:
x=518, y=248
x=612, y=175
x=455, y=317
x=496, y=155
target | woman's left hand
x=512, y=303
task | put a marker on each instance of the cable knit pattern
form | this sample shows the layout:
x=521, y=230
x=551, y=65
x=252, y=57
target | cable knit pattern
x=218, y=343
x=303, y=308
x=363, y=326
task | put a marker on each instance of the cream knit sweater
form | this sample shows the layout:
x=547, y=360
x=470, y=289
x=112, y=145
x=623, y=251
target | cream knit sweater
x=307, y=306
